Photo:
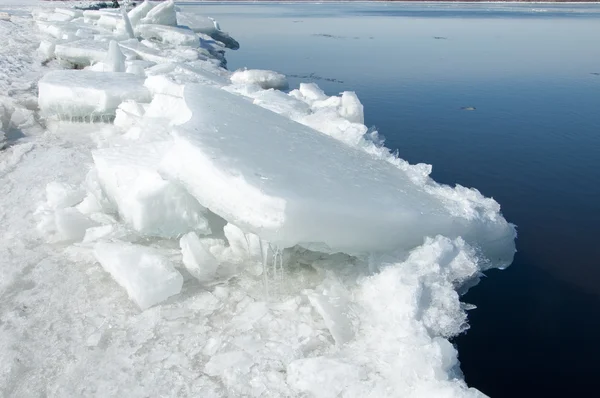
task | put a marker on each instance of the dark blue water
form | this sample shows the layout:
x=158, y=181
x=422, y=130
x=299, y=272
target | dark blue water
x=533, y=143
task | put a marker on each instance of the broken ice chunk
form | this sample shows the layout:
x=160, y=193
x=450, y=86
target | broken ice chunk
x=71, y=224
x=237, y=361
x=140, y=12
x=323, y=377
x=176, y=36
x=264, y=78
x=60, y=195
x=147, y=202
x=333, y=306
x=148, y=277
x=162, y=14
x=86, y=52
x=46, y=49
x=197, y=258
x=243, y=245
x=88, y=94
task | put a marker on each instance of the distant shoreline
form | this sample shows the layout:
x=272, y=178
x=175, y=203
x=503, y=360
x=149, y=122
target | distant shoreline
x=351, y=1
x=382, y=1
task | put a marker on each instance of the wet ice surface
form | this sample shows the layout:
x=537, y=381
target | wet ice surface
x=126, y=275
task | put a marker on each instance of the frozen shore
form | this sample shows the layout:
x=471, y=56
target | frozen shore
x=177, y=229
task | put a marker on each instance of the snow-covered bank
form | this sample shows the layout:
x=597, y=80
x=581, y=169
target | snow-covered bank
x=276, y=248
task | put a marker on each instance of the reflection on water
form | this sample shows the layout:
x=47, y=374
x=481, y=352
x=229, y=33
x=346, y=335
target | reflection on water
x=502, y=97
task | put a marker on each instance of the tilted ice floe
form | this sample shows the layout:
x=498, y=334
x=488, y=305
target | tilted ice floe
x=328, y=265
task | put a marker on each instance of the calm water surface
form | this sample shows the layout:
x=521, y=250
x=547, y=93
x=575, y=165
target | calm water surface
x=533, y=143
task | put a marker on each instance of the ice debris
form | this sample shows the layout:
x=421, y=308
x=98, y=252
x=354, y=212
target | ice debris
x=148, y=277
x=321, y=264
x=264, y=78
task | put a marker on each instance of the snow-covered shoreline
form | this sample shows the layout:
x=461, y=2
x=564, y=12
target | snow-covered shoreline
x=265, y=243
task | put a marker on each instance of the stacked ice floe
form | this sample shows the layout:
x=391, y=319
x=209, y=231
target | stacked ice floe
x=209, y=175
x=16, y=116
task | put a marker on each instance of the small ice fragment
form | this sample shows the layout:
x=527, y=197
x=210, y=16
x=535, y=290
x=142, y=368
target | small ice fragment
x=333, y=306
x=148, y=277
x=115, y=60
x=265, y=78
x=46, y=49
x=128, y=114
x=96, y=233
x=88, y=94
x=237, y=361
x=197, y=258
x=71, y=224
x=60, y=195
x=323, y=377
x=243, y=245
x=351, y=108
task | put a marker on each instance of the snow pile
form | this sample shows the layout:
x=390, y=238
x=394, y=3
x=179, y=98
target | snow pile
x=274, y=246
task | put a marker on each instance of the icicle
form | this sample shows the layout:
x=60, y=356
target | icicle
x=265, y=252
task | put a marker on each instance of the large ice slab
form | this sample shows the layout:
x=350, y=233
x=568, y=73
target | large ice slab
x=291, y=185
x=74, y=93
x=147, y=202
x=87, y=52
x=148, y=277
x=176, y=36
x=207, y=26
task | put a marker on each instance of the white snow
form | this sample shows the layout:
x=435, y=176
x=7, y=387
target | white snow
x=264, y=78
x=316, y=262
x=148, y=277
x=72, y=93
